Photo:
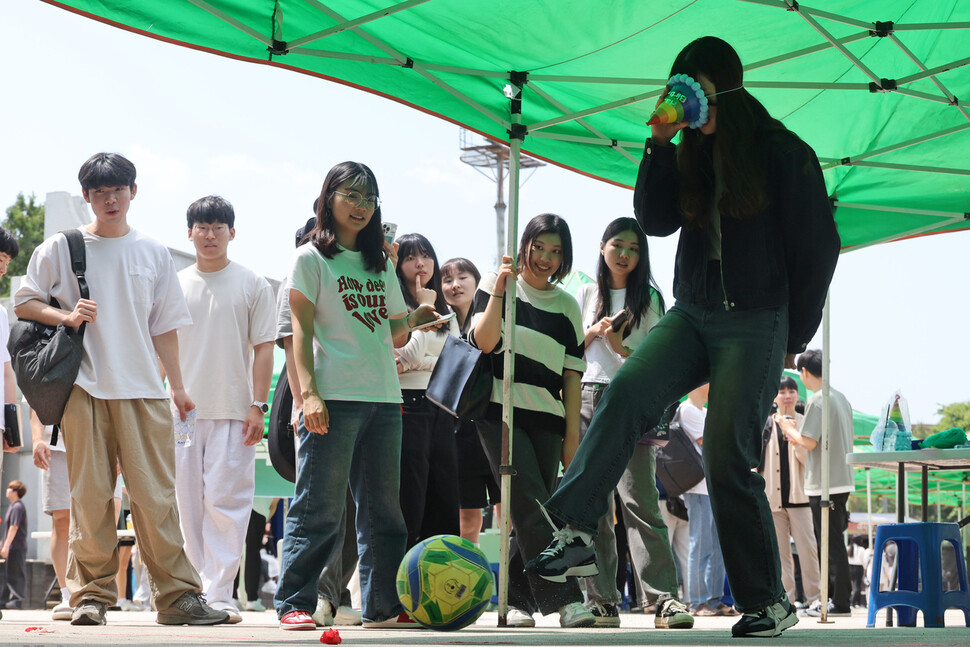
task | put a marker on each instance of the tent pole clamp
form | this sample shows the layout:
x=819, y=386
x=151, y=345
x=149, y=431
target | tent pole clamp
x=278, y=48
x=882, y=29
x=884, y=85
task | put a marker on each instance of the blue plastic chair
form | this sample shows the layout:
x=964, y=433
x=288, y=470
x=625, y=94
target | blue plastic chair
x=919, y=573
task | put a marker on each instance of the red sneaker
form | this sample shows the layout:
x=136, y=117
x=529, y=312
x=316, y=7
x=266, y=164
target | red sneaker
x=403, y=621
x=297, y=621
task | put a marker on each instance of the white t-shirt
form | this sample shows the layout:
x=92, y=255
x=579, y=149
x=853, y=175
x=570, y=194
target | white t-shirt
x=133, y=281
x=692, y=421
x=284, y=325
x=420, y=354
x=602, y=362
x=841, y=479
x=233, y=310
x=352, y=346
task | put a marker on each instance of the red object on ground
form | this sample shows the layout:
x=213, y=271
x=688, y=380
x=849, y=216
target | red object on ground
x=331, y=637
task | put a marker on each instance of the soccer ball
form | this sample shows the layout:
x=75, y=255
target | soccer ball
x=444, y=583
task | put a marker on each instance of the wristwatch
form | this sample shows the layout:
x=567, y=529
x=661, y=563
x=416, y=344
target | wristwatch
x=262, y=405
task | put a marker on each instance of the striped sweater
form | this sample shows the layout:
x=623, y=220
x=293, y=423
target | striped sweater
x=548, y=340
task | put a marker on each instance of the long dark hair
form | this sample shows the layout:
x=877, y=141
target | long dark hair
x=458, y=265
x=418, y=244
x=640, y=284
x=742, y=124
x=370, y=240
x=547, y=223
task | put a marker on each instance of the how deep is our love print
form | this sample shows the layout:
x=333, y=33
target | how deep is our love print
x=366, y=302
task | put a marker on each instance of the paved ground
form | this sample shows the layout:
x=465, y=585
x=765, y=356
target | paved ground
x=261, y=629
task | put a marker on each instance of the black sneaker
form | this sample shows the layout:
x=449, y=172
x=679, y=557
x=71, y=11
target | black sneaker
x=190, y=609
x=607, y=615
x=672, y=614
x=567, y=555
x=768, y=622
x=89, y=612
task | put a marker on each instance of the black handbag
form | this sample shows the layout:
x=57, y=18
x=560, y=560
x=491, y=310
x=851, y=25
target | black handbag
x=46, y=359
x=461, y=382
x=11, y=426
x=679, y=465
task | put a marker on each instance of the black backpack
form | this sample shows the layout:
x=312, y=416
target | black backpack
x=282, y=450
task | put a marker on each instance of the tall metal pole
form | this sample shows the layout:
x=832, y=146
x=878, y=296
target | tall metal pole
x=500, y=205
x=869, y=503
x=516, y=134
x=824, y=533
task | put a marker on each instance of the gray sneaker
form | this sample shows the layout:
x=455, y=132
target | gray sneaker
x=672, y=614
x=190, y=609
x=89, y=612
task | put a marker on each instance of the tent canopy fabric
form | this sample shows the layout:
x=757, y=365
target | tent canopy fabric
x=877, y=88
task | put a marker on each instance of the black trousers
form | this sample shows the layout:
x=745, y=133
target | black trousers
x=535, y=459
x=254, y=561
x=840, y=584
x=14, y=583
x=429, y=469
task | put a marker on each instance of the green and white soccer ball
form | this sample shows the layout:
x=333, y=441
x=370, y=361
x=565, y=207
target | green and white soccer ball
x=444, y=583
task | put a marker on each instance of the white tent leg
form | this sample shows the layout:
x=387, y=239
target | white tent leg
x=824, y=531
x=505, y=469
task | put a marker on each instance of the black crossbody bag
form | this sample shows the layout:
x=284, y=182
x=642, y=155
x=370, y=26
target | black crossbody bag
x=46, y=359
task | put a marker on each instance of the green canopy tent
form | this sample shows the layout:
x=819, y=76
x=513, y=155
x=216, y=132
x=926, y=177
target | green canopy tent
x=872, y=86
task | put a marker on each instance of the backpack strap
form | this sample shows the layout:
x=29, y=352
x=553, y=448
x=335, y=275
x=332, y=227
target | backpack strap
x=75, y=243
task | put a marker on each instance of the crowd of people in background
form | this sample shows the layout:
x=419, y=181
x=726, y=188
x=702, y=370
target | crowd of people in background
x=380, y=468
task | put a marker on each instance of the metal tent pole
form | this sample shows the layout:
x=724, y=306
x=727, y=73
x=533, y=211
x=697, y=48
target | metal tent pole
x=824, y=503
x=869, y=503
x=516, y=134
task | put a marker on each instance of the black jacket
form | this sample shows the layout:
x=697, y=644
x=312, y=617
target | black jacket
x=786, y=256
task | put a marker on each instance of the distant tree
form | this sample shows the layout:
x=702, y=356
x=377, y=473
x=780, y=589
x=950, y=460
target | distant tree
x=954, y=415
x=25, y=220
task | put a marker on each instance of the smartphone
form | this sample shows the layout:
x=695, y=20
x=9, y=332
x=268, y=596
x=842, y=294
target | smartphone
x=617, y=320
x=390, y=231
x=439, y=320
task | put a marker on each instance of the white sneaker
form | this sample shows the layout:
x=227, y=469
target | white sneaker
x=518, y=618
x=347, y=616
x=323, y=615
x=230, y=608
x=255, y=605
x=63, y=611
x=575, y=614
x=128, y=605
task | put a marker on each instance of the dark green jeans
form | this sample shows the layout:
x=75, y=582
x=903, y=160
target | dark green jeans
x=741, y=354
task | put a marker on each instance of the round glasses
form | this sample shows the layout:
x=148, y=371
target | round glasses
x=358, y=199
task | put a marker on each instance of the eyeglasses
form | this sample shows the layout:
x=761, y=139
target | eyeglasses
x=359, y=200
x=216, y=229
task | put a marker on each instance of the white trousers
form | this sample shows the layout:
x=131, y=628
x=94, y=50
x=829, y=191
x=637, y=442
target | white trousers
x=214, y=484
x=797, y=524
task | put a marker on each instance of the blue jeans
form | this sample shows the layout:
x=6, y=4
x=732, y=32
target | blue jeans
x=362, y=448
x=654, y=572
x=705, y=565
x=741, y=354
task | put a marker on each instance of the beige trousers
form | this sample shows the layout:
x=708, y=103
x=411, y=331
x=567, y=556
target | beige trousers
x=138, y=435
x=796, y=523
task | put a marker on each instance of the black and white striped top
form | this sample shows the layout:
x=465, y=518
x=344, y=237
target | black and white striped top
x=548, y=341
